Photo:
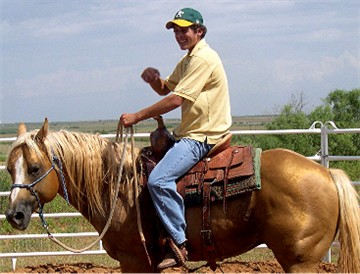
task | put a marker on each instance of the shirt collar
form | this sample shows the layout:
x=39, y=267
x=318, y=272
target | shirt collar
x=202, y=43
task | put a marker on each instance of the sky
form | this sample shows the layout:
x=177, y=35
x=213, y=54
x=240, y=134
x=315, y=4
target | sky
x=81, y=60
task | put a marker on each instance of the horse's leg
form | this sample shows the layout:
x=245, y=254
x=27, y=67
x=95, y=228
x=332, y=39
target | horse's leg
x=302, y=245
x=303, y=256
x=297, y=210
x=298, y=251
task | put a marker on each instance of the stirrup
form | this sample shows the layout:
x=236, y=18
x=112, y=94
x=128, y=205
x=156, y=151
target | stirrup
x=168, y=261
x=177, y=255
x=179, y=251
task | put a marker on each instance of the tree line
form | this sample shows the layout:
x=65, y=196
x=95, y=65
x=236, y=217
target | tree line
x=340, y=106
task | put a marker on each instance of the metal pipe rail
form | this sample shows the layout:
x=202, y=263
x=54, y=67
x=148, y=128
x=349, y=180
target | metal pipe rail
x=48, y=253
x=323, y=157
x=42, y=236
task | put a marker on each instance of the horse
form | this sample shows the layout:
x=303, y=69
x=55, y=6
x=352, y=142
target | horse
x=298, y=212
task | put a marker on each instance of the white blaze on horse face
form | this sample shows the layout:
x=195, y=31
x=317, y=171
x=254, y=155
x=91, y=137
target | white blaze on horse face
x=19, y=177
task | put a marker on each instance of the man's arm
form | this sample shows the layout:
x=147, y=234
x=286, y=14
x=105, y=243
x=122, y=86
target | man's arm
x=159, y=86
x=166, y=105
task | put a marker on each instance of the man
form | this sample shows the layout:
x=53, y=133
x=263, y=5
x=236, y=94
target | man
x=199, y=86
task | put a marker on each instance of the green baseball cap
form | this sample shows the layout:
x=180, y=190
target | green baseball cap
x=185, y=18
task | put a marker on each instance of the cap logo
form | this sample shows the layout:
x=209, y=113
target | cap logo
x=184, y=18
x=179, y=14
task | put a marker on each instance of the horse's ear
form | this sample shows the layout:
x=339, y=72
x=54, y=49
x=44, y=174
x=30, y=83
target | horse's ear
x=21, y=129
x=43, y=132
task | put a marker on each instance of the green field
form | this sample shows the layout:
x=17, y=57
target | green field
x=110, y=126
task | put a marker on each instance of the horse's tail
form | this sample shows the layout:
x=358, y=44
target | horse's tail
x=349, y=223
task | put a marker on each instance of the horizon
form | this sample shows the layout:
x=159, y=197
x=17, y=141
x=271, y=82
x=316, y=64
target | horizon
x=114, y=120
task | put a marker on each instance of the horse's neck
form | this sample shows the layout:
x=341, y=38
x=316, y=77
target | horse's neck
x=124, y=220
x=93, y=195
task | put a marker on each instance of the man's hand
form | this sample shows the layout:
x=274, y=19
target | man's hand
x=128, y=120
x=150, y=75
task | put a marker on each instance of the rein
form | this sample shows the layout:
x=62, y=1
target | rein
x=119, y=138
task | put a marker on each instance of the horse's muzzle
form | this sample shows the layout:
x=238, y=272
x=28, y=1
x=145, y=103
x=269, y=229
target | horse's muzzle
x=19, y=216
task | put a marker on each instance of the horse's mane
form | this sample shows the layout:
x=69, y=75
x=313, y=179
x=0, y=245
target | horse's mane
x=91, y=163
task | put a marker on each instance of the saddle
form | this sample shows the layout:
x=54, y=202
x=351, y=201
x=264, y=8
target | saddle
x=224, y=166
x=226, y=171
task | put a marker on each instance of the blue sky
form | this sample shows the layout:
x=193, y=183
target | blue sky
x=76, y=60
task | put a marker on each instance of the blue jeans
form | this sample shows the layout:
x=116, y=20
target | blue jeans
x=162, y=184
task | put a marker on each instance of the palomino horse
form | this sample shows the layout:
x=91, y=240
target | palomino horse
x=297, y=213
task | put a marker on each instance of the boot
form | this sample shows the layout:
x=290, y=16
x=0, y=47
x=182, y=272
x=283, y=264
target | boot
x=176, y=255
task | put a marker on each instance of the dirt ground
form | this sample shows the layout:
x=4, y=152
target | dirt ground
x=228, y=267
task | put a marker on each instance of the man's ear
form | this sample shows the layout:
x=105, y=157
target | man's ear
x=43, y=131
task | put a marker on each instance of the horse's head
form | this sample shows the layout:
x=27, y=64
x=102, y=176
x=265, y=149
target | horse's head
x=35, y=181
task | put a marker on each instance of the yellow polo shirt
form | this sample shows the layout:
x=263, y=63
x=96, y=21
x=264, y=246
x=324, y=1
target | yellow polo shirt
x=201, y=80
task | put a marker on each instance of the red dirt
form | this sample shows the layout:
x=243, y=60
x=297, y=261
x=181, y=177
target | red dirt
x=228, y=267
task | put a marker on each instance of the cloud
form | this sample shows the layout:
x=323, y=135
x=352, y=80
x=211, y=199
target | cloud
x=69, y=82
x=81, y=18
x=323, y=35
x=64, y=25
x=290, y=71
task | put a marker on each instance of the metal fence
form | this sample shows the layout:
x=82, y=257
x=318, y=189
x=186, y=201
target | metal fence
x=324, y=129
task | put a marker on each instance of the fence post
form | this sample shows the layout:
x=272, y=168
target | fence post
x=324, y=146
x=13, y=260
x=325, y=163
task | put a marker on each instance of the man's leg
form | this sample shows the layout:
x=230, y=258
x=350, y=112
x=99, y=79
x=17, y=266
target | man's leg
x=162, y=185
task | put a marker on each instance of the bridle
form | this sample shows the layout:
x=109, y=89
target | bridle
x=55, y=162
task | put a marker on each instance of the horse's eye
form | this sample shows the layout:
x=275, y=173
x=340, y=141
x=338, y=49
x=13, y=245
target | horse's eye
x=33, y=169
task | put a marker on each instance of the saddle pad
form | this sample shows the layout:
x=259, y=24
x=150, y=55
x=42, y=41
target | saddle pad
x=236, y=186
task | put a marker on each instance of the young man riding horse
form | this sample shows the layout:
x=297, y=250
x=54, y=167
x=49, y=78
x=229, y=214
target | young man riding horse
x=199, y=85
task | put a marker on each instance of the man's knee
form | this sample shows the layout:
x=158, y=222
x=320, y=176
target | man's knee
x=152, y=182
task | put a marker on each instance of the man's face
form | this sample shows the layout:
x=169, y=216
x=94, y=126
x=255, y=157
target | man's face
x=186, y=37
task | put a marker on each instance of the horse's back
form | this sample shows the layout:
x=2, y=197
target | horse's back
x=296, y=186
x=301, y=178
